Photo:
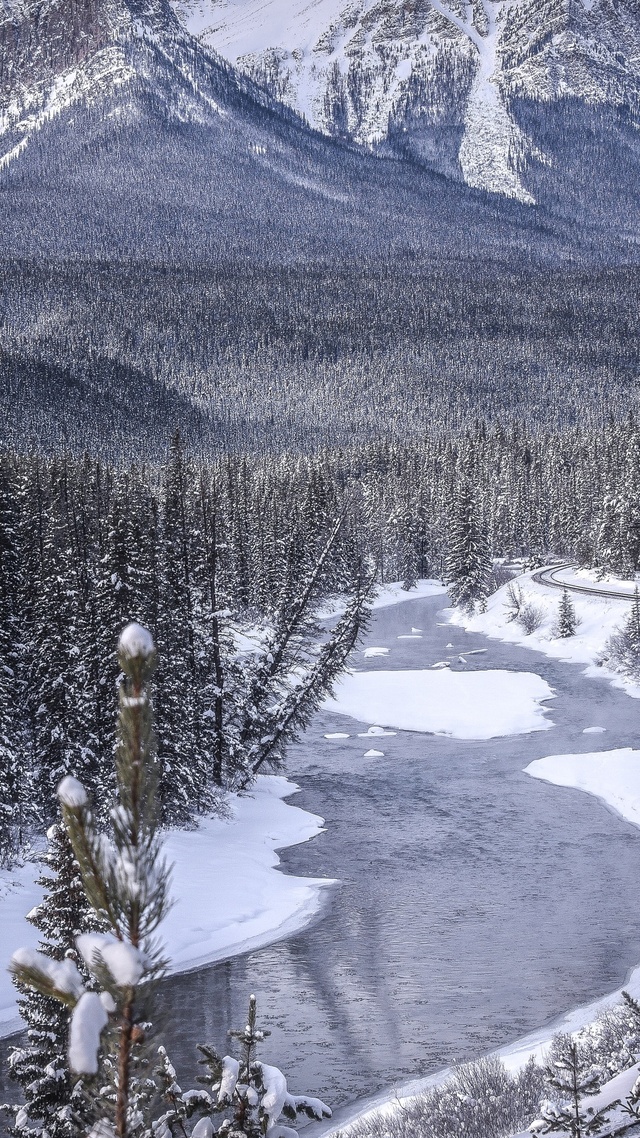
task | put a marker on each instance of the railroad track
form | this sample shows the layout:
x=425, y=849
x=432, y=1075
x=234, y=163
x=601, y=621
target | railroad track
x=548, y=577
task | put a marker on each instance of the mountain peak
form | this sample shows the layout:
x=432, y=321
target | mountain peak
x=433, y=79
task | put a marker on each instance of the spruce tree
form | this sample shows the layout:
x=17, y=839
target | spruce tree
x=567, y=622
x=125, y=881
x=468, y=562
x=14, y=779
x=54, y=1105
x=573, y=1080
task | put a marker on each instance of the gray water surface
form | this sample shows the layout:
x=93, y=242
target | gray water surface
x=474, y=903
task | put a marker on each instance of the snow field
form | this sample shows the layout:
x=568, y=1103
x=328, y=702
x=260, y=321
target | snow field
x=474, y=705
x=598, y=617
x=229, y=895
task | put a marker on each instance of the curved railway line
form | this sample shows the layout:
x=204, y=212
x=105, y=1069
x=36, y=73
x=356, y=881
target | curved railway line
x=548, y=577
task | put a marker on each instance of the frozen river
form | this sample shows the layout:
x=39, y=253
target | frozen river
x=474, y=903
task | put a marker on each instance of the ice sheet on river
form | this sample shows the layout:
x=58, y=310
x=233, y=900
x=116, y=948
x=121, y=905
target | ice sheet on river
x=612, y=776
x=465, y=705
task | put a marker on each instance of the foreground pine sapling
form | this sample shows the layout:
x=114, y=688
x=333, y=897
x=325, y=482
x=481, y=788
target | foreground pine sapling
x=253, y=1095
x=126, y=882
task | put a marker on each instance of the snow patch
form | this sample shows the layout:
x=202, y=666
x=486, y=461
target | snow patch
x=612, y=776
x=473, y=705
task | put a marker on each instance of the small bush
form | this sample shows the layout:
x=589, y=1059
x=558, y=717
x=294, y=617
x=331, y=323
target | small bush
x=514, y=602
x=530, y=617
x=480, y=1100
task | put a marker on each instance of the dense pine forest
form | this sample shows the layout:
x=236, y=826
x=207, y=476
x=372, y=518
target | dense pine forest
x=270, y=358
x=230, y=560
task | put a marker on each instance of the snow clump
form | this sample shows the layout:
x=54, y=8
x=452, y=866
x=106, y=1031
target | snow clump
x=135, y=640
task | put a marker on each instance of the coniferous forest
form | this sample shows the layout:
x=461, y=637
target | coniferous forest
x=243, y=549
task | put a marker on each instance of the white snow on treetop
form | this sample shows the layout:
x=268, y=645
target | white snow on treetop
x=125, y=963
x=62, y=974
x=135, y=640
x=72, y=793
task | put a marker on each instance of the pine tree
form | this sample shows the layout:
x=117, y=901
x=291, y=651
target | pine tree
x=125, y=881
x=468, y=561
x=573, y=1080
x=252, y=1095
x=622, y=649
x=54, y=1105
x=14, y=780
x=567, y=622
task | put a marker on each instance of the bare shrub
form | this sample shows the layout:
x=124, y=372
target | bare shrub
x=480, y=1100
x=530, y=617
x=514, y=602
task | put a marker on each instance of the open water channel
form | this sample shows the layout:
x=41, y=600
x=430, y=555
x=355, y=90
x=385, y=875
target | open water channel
x=473, y=905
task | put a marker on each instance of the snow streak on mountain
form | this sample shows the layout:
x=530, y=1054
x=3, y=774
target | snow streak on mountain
x=434, y=78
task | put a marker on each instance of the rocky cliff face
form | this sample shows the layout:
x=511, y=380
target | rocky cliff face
x=435, y=79
x=55, y=53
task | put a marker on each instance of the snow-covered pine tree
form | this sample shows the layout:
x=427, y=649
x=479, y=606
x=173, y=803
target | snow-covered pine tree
x=253, y=1096
x=566, y=623
x=573, y=1080
x=182, y=783
x=281, y=684
x=14, y=780
x=125, y=882
x=622, y=649
x=53, y=630
x=54, y=1105
x=468, y=562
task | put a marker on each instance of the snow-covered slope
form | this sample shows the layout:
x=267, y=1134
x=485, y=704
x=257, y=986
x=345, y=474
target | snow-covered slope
x=434, y=78
x=55, y=53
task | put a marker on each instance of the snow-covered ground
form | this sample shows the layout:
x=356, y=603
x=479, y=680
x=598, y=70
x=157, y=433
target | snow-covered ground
x=612, y=776
x=229, y=895
x=598, y=617
x=465, y=705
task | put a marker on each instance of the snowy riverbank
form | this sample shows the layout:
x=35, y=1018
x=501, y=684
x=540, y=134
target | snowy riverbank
x=598, y=618
x=230, y=896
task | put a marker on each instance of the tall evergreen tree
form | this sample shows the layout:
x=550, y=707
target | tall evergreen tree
x=468, y=562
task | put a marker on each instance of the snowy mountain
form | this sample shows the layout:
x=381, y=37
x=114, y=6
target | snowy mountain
x=55, y=54
x=437, y=79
